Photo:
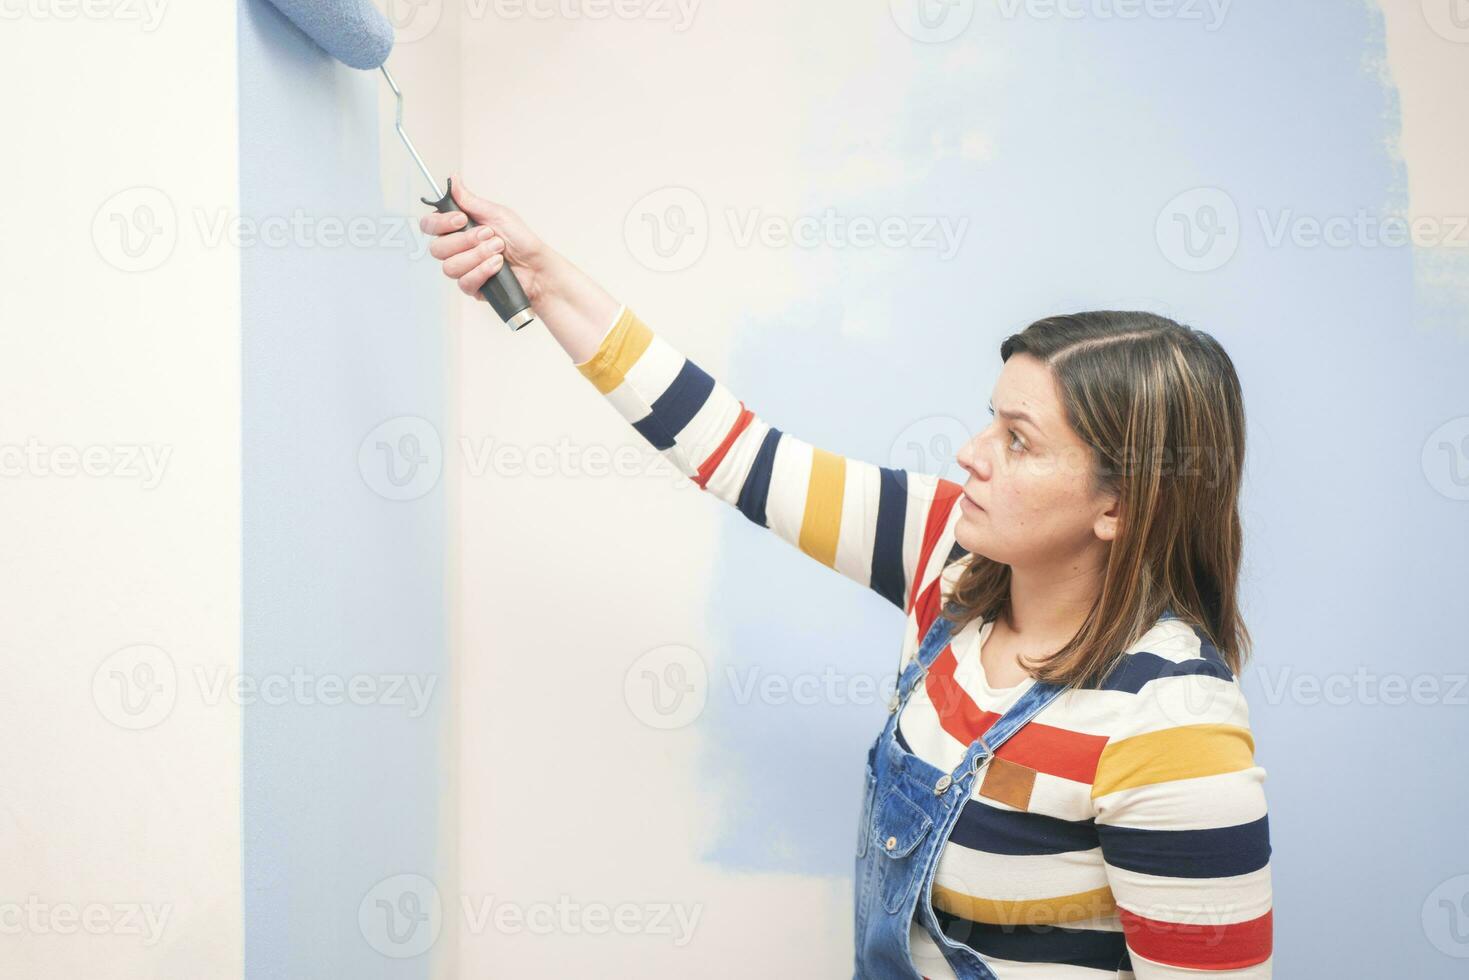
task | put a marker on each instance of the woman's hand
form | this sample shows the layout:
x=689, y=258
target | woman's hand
x=472, y=256
x=578, y=312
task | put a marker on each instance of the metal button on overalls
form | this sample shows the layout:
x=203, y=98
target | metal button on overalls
x=909, y=811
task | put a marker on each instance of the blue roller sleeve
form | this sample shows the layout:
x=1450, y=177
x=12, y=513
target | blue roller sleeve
x=358, y=35
x=352, y=31
x=502, y=289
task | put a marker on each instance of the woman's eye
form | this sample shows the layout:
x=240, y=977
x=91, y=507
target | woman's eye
x=1014, y=438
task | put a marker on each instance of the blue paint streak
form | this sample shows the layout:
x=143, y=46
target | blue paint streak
x=1352, y=558
x=337, y=580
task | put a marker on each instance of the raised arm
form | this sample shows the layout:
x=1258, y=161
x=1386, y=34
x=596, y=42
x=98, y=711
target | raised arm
x=866, y=521
x=871, y=523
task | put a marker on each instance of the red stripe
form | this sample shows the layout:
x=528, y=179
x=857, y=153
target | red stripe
x=927, y=608
x=1044, y=748
x=1057, y=751
x=707, y=468
x=1199, y=946
x=957, y=713
x=945, y=493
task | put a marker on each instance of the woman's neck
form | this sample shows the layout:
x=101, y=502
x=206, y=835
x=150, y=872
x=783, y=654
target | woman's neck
x=1050, y=605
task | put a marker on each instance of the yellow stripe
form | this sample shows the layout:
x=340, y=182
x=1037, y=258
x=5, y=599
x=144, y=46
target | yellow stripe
x=1033, y=912
x=620, y=350
x=1185, y=752
x=822, y=522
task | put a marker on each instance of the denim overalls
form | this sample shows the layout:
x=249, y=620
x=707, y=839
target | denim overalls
x=907, y=815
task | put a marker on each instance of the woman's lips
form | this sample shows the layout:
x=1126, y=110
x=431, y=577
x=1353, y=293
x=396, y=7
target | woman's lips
x=966, y=500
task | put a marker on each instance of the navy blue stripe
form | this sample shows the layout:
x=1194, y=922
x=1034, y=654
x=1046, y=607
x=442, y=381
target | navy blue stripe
x=678, y=404
x=981, y=827
x=1133, y=670
x=756, y=488
x=651, y=428
x=1098, y=949
x=887, y=546
x=1217, y=853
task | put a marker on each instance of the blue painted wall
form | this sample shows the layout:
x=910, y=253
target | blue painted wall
x=1353, y=558
x=339, y=578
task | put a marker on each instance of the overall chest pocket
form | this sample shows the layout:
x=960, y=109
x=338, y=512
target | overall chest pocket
x=898, y=826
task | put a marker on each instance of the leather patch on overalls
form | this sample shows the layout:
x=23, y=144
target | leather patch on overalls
x=1008, y=782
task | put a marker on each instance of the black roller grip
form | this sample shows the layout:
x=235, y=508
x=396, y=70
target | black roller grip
x=502, y=289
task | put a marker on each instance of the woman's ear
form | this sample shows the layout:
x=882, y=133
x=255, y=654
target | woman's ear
x=1106, y=523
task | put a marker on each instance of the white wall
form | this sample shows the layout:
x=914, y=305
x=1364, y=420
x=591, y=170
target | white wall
x=119, y=329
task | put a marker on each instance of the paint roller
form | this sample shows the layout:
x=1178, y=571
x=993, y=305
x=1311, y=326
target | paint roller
x=359, y=36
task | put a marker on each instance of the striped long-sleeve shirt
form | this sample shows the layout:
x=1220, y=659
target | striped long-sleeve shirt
x=1122, y=832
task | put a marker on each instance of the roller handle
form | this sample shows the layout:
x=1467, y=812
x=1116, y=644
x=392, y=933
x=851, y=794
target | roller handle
x=502, y=289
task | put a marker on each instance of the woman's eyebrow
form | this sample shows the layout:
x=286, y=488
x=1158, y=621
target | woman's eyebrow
x=1015, y=415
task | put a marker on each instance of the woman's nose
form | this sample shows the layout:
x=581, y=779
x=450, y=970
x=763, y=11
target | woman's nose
x=970, y=457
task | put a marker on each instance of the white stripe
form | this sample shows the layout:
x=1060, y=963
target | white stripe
x=1178, y=699
x=1062, y=798
x=629, y=402
x=655, y=369
x=1171, y=639
x=1160, y=971
x=1195, y=901
x=710, y=424
x=858, y=534
x=790, y=475
x=1019, y=877
x=1226, y=799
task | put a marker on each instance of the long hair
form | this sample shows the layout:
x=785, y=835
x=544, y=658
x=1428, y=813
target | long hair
x=1159, y=405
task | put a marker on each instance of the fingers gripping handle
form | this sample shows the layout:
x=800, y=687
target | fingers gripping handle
x=502, y=289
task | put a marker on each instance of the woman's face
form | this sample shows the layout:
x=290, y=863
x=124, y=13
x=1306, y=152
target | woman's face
x=1030, y=476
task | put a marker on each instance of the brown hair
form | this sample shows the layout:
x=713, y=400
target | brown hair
x=1159, y=404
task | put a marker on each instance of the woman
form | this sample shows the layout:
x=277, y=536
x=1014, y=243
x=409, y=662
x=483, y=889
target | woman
x=1065, y=785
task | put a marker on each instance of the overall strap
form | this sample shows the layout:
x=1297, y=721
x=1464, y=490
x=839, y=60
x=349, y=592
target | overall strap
x=933, y=643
